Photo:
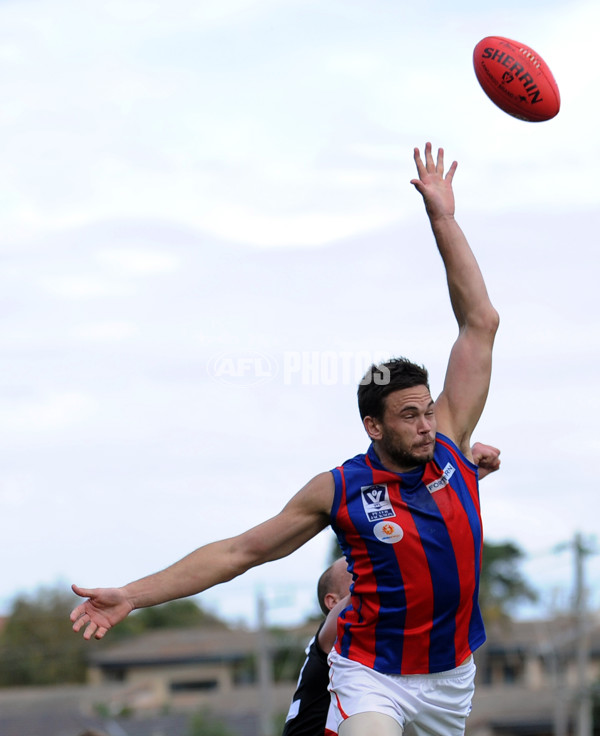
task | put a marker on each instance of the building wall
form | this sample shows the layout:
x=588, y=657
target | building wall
x=157, y=688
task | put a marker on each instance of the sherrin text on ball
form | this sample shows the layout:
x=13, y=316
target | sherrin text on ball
x=516, y=79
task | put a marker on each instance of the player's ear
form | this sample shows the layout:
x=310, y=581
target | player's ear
x=373, y=428
x=330, y=600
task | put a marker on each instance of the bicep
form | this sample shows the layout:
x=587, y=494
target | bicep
x=302, y=518
x=459, y=406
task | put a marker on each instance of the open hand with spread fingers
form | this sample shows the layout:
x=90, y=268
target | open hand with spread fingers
x=103, y=608
x=435, y=188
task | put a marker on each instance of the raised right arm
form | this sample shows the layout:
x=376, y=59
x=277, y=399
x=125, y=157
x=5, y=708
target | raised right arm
x=467, y=380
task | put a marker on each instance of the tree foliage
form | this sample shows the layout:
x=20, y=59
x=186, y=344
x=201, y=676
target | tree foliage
x=501, y=584
x=203, y=723
x=173, y=615
x=38, y=646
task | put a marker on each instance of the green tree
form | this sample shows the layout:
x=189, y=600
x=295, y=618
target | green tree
x=172, y=615
x=37, y=645
x=204, y=723
x=501, y=584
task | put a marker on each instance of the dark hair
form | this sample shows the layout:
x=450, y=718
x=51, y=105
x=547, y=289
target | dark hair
x=383, y=379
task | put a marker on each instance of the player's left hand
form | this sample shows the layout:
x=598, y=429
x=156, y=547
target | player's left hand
x=486, y=457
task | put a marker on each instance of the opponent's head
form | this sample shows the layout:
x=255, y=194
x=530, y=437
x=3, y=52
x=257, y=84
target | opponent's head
x=333, y=585
x=397, y=412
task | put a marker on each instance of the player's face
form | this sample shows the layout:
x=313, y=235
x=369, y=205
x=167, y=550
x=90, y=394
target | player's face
x=407, y=430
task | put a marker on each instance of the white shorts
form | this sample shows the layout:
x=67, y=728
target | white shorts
x=438, y=703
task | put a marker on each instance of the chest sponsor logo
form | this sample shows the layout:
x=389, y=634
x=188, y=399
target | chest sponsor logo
x=443, y=480
x=388, y=532
x=376, y=502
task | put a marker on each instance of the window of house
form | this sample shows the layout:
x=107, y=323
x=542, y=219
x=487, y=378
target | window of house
x=114, y=674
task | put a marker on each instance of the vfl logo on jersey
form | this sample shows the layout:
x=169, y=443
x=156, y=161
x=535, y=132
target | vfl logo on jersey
x=442, y=480
x=376, y=502
x=388, y=532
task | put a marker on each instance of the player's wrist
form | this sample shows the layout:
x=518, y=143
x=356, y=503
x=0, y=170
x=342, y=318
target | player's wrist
x=133, y=598
x=442, y=219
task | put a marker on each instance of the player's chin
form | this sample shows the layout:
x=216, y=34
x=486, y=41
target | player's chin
x=424, y=453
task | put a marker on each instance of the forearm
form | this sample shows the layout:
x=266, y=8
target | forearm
x=205, y=567
x=468, y=294
x=328, y=633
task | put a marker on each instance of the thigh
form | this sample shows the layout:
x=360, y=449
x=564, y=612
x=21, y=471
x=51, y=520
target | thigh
x=370, y=724
x=445, y=703
x=358, y=690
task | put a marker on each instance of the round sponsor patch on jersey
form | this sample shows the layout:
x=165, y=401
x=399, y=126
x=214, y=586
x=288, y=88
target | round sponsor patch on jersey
x=388, y=531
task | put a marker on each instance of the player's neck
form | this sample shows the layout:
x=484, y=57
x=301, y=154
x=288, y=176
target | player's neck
x=395, y=465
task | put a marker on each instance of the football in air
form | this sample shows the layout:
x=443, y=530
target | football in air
x=516, y=79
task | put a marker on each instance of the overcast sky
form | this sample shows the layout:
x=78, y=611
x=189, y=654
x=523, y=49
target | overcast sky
x=209, y=230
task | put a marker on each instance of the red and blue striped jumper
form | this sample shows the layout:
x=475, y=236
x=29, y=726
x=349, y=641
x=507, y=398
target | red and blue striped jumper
x=413, y=543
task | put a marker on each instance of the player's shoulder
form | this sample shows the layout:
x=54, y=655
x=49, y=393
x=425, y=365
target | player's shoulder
x=446, y=446
x=358, y=461
x=318, y=492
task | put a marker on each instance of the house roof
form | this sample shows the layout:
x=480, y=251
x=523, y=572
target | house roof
x=542, y=636
x=178, y=646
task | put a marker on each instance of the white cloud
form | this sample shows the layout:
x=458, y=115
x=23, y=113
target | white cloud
x=104, y=331
x=78, y=286
x=135, y=262
x=53, y=412
x=307, y=228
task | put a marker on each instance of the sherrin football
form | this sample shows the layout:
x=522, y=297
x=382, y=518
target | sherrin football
x=516, y=79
